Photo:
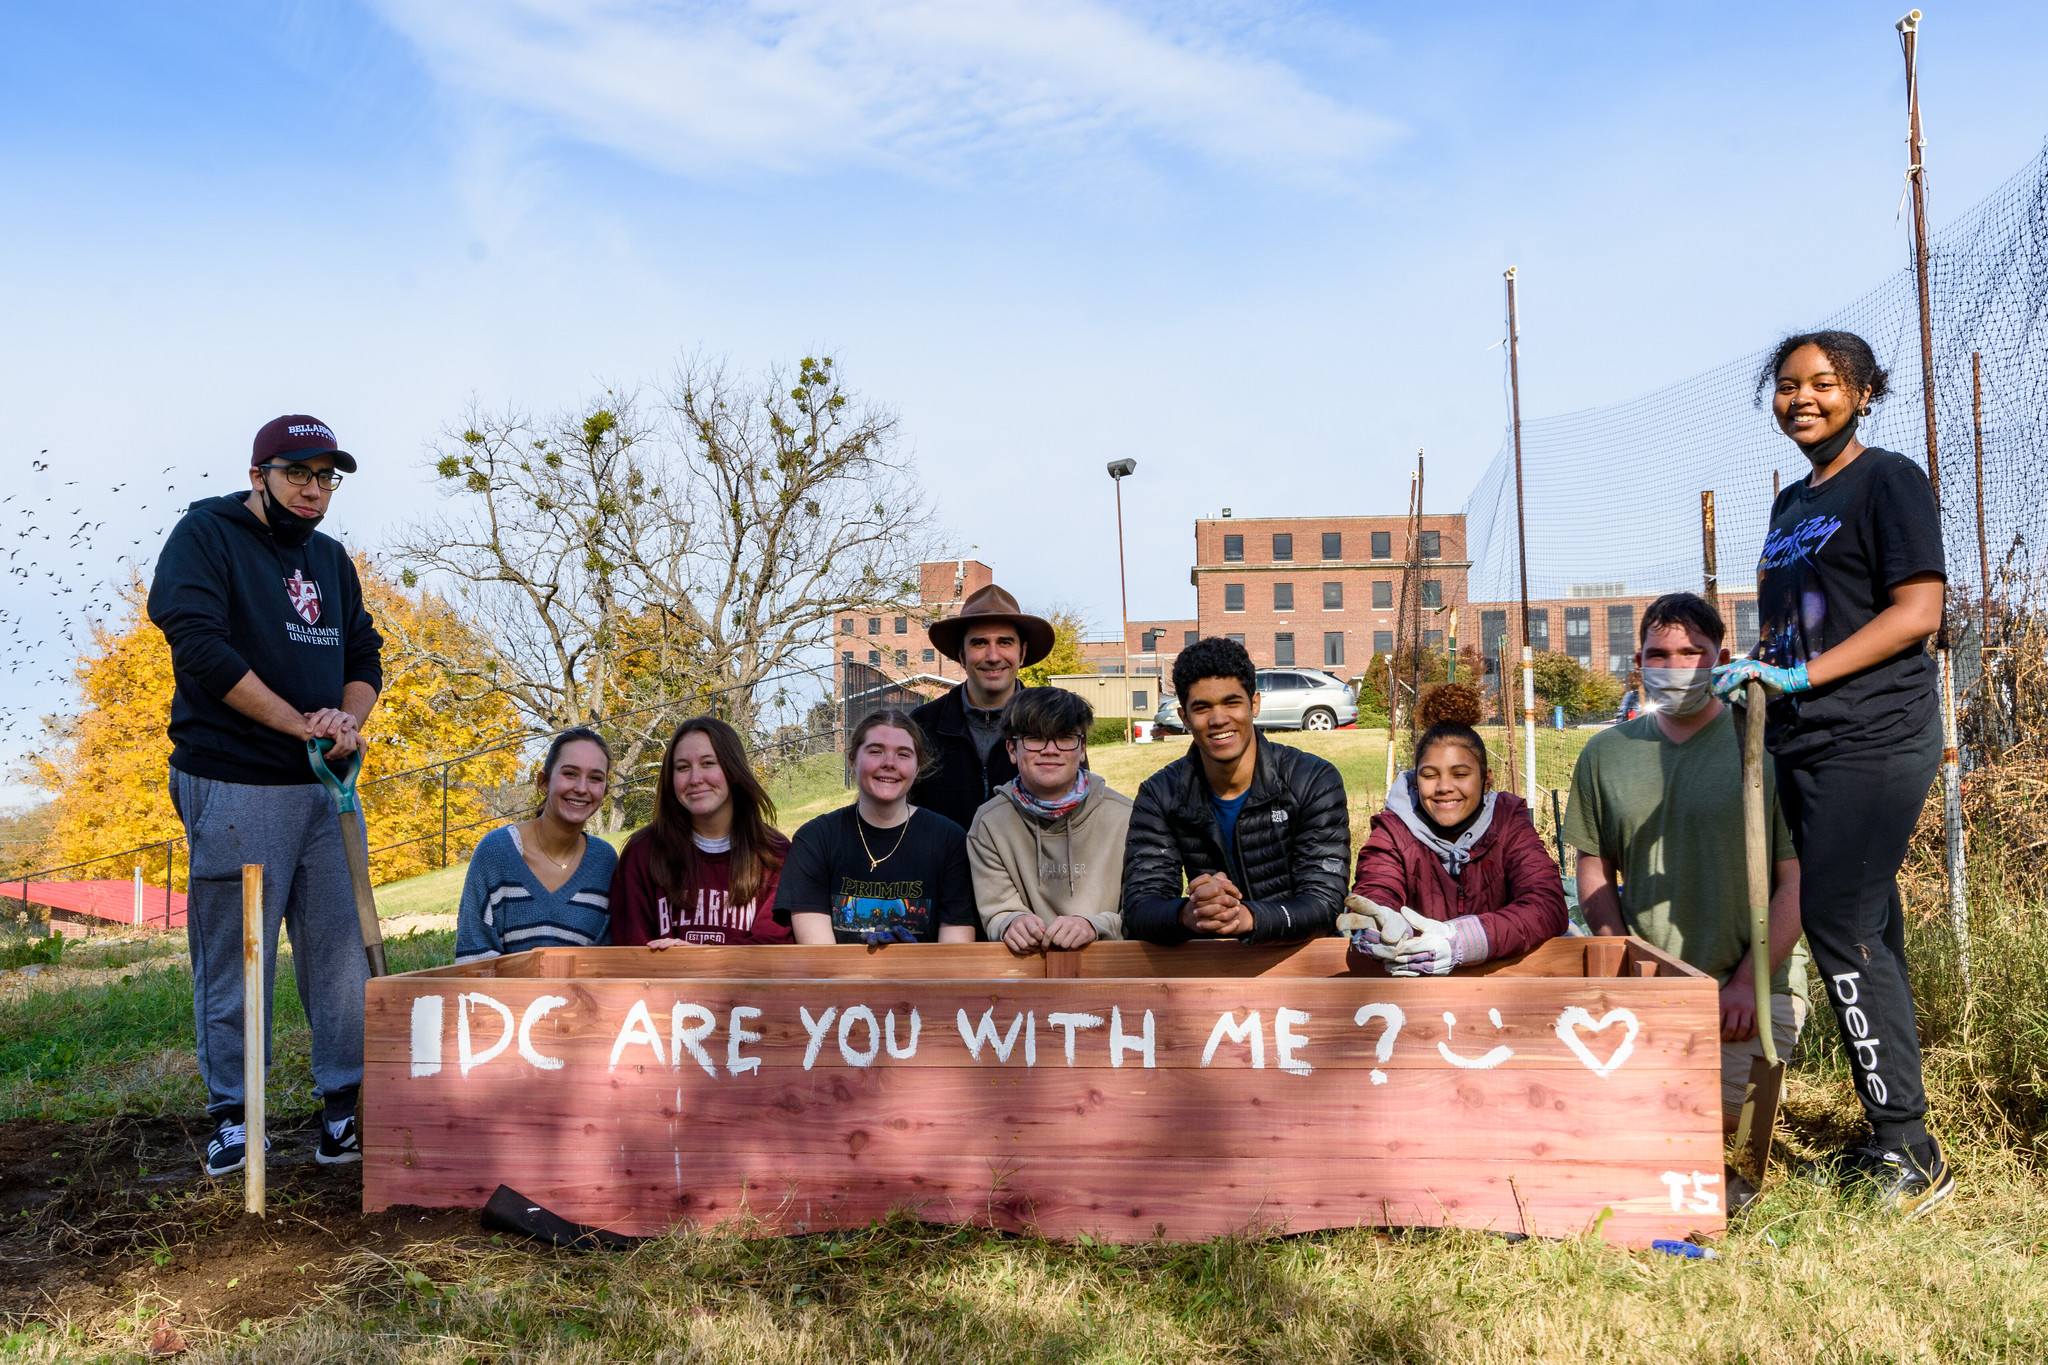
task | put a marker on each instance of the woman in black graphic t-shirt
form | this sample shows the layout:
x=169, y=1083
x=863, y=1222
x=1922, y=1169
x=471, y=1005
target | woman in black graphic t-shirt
x=880, y=870
x=1849, y=587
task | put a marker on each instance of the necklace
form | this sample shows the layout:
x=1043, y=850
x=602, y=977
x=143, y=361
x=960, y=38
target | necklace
x=860, y=828
x=580, y=837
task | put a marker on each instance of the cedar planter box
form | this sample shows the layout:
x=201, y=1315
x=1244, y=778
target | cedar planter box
x=1124, y=1091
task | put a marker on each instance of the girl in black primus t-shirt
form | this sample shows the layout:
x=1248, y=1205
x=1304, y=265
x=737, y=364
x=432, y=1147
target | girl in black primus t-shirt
x=1849, y=587
x=880, y=870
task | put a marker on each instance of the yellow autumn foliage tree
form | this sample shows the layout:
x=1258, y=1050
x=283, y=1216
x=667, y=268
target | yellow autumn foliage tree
x=107, y=768
x=1066, y=656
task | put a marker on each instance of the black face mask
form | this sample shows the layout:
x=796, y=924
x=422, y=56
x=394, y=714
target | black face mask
x=1823, y=453
x=286, y=526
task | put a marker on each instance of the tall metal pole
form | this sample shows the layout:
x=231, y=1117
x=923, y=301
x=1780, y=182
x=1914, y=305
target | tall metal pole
x=1522, y=550
x=1708, y=552
x=1415, y=679
x=1951, y=770
x=1983, y=546
x=1118, y=471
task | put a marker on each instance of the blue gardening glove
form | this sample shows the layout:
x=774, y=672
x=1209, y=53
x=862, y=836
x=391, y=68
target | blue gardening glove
x=1731, y=679
x=1438, y=945
x=1374, y=928
x=879, y=937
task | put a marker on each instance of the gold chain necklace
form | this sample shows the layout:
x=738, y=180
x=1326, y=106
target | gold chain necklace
x=860, y=828
x=580, y=837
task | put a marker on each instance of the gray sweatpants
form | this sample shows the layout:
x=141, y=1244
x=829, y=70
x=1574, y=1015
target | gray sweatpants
x=295, y=834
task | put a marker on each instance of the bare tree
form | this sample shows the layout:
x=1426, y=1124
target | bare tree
x=670, y=563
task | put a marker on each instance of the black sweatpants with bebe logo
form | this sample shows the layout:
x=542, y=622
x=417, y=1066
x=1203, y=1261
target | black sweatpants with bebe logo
x=1852, y=812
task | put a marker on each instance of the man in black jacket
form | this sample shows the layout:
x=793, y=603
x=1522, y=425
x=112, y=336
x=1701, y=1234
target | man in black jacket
x=1261, y=831
x=270, y=646
x=990, y=639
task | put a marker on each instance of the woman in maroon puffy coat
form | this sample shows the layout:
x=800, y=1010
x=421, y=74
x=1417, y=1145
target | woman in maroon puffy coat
x=1464, y=860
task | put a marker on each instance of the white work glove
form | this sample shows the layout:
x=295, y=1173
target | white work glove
x=1374, y=928
x=1438, y=945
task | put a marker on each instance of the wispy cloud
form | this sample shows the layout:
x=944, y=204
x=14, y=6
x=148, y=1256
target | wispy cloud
x=927, y=87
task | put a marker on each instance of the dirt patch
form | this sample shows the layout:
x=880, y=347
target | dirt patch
x=116, y=1216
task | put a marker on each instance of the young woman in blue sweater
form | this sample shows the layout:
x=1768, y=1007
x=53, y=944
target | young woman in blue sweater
x=544, y=883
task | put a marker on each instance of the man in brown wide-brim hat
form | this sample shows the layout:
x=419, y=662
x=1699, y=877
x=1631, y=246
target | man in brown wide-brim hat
x=990, y=639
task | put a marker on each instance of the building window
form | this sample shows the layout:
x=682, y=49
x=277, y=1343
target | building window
x=1578, y=634
x=1745, y=626
x=1333, y=545
x=1109, y=668
x=1432, y=639
x=930, y=655
x=1188, y=638
x=1283, y=597
x=1432, y=592
x=1148, y=643
x=902, y=657
x=1383, y=594
x=1539, y=629
x=903, y=625
x=1233, y=597
x=1283, y=548
x=1233, y=549
x=1235, y=639
x=846, y=625
x=1333, y=597
x=1493, y=628
x=1432, y=544
x=1383, y=642
x=1141, y=702
x=1283, y=649
x=1382, y=544
x=1333, y=649
x=1621, y=640
x=846, y=655
x=874, y=625
x=874, y=656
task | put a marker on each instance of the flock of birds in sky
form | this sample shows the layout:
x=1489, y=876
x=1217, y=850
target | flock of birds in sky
x=60, y=584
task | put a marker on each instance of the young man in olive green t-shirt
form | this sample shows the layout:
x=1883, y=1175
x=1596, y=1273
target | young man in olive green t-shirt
x=1656, y=814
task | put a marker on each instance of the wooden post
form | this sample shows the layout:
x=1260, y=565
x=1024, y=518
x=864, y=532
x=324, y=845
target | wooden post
x=253, y=1032
x=1709, y=556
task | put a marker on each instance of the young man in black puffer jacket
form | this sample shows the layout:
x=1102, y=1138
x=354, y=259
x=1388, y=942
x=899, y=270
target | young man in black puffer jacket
x=1260, y=830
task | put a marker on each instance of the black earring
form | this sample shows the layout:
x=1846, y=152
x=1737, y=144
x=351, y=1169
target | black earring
x=1863, y=411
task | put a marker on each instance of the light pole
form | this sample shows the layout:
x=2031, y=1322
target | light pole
x=1119, y=470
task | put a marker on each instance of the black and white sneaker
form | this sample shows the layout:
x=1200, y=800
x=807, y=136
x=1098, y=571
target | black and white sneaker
x=338, y=1143
x=227, y=1151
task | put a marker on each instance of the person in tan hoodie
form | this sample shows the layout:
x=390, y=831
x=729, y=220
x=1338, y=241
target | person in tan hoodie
x=1047, y=850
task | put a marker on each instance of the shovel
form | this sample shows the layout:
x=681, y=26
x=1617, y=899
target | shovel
x=355, y=845
x=1766, y=1073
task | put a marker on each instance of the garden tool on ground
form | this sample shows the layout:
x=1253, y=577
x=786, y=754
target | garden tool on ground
x=355, y=844
x=1766, y=1073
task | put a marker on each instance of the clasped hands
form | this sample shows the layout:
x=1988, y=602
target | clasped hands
x=1216, y=907
x=1410, y=944
x=1026, y=934
x=333, y=723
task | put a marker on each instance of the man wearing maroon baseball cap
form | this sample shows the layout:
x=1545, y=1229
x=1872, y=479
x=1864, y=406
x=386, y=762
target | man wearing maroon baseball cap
x=271, y=646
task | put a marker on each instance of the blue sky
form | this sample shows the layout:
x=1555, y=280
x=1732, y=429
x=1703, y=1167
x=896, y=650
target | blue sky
x=1257, y=248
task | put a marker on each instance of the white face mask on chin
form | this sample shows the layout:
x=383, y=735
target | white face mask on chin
x=1677, y=692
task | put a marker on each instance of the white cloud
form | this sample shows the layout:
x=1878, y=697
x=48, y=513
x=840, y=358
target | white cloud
x=923, y=86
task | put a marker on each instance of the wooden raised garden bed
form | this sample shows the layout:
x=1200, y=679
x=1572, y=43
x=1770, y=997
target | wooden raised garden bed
x=1124, y=1091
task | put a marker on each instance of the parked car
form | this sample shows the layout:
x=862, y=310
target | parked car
x=1631, y=706
x=1304, y=699
x=1290, y=699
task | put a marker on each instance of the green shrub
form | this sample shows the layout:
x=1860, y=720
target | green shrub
x=1109, y=731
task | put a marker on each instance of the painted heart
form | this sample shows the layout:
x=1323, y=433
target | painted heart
x=1575, y=1018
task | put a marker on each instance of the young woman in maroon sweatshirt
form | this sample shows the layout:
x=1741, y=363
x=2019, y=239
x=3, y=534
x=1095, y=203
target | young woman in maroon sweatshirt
x=1465, y=859
x=706, y=868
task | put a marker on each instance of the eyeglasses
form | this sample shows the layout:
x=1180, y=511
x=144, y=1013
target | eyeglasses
x=1066, y=744
x=301, y=475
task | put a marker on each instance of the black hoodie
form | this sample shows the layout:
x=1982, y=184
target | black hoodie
x=230, y=599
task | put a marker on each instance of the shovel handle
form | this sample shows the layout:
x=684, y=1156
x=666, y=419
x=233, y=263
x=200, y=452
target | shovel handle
x=343, y=792
x=1757, y=841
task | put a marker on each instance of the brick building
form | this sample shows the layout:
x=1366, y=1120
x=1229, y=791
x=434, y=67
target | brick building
x=1596, y=623
x=1323, y=592
x=897, y=645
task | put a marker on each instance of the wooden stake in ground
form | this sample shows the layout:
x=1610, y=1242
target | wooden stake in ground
x=252, y=1028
